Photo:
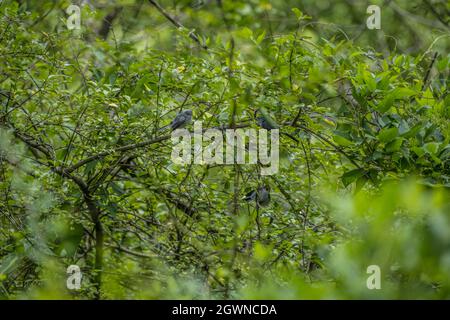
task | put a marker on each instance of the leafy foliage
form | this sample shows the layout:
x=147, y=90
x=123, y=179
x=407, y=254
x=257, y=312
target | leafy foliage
x=86, y=176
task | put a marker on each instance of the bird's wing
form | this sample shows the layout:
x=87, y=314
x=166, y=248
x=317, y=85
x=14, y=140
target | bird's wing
x=178, y=121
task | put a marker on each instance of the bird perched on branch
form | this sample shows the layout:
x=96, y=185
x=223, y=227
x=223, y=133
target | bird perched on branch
x=265, y=121
x=180, y=121
x=260, y=195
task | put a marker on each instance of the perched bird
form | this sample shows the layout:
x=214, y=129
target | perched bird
x=260, y=195
x=181, y=120
x=265, y=124
x=265, y=121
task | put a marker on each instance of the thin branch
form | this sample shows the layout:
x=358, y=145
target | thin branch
x=107, y=22
x=177, y=24
x=132, y=146
x=427, y=75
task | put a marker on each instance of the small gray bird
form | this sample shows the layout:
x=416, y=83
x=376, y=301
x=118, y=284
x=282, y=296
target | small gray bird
x=180, y=121
x=264, y=120
x=266, y=124
x=261, y=196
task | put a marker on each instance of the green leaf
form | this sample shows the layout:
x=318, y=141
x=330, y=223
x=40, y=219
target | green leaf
x=360, y=182
x=344, y=142
x=246, y=33
x=398, y=93
x=261, y=37
x=394, y=145
x=297, y=13
x=387, y=134
x=418, y=151
x=431, y=147
x=351, y=176
x=261, y=251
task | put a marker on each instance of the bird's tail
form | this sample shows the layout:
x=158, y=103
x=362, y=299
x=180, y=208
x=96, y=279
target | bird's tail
x=164, y=128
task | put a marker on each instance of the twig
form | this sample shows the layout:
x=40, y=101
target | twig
x=107, y=22
x=427, y=75
x=177, y=24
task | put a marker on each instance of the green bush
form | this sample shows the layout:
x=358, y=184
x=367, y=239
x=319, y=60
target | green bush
x=86, y=176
